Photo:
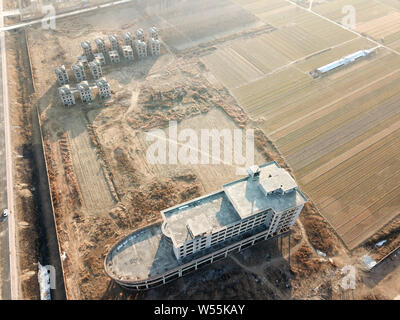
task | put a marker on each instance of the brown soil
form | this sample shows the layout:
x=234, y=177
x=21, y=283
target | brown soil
x=26, y=219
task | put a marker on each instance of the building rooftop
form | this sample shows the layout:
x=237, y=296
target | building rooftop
x=273, y=188
x=141, y=255
x=199, y=216
x=147, y=253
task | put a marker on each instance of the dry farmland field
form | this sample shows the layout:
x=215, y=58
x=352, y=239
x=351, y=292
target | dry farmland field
x=339, y=132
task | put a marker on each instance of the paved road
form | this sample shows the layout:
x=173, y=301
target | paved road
x=63, y=15
x=5, y=289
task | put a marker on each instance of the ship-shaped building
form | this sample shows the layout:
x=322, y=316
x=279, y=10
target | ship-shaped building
x=264, y=204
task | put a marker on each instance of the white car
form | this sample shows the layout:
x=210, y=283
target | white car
x=5, y=213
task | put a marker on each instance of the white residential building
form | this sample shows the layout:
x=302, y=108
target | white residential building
x=104, y=88
x=87, y=49
x=153, y=33
x=114, y=41
x=95, y=68
x=100, y=58
x=139, y=34
x=62, y=75
x=154, y=47
x=128, y=53
x=85, y=92
x=114, y=56
x=141, y=49
x=101, y=45
x=128, y=39
x=79, y=72
x=66, y=96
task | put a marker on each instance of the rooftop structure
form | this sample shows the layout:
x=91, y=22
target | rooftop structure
x=344, y=61
x=66, y=96
x=79, y=72
x=85, y=92
x=141, y=49
x=95, y=68
x=127, y=51
x=104, y=88
x=154, y=47
x=62, y=75
x=262, y=205
x=114, y=56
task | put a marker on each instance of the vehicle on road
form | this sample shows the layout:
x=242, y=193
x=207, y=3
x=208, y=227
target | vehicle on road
x=5, y=213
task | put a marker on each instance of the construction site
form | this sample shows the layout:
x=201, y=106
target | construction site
x=321, y=100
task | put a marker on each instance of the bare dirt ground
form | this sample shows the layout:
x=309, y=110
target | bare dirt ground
x=27, y=224
x=103, y=185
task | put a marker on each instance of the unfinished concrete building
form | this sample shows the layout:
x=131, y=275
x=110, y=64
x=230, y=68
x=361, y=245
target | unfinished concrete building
x=141, y=49
x=87, y=49
x=104, y=88
x=114, y=56
x=127, y=51
x=139, y=34
x=85, y=91
x=95, y=69
x=153, y=33
x=128, y=39
x=100, y=58
x=154, y=47
x=62, y=75
x=101, y=45
x=263, y=205
x=114, y=42
x=84, y=60
x=66, y=96
x=79, y=72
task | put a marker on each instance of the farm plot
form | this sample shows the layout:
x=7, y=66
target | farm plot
x=377, y=19
x=365, y=10
x=186, y=24
x=88, y=170
x=333, y=54
x=340, y=134
x=231, y=68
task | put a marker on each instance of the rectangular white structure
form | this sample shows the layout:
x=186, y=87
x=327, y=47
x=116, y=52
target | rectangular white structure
x=114, y=56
